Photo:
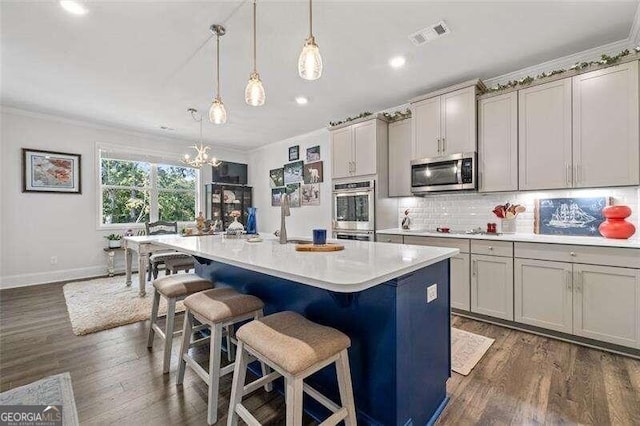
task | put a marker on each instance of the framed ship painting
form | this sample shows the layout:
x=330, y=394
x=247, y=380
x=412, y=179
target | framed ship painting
x=49, y=171
x=569, y=216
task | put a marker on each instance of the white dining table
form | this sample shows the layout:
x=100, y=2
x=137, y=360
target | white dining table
x=144, y=246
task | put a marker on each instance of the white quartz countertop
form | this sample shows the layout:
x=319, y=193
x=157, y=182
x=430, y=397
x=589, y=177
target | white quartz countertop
x=525, y=238
x=359, y=266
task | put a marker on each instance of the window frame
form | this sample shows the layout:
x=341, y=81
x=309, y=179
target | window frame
x=153, y=186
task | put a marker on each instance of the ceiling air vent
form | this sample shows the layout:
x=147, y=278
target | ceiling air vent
x=430, y=33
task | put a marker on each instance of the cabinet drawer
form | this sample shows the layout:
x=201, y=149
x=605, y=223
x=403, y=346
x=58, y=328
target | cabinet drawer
x=492, y=248
x=388, y=238
x=460, y=244
x=608, y=256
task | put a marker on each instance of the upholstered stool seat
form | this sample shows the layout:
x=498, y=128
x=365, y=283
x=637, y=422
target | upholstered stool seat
x=173, y=265
x=219, y=304
x=159, y=258
x=181, y=285
x=295, y=348
x=172, y=288
x=219, y=309
x=291, y=341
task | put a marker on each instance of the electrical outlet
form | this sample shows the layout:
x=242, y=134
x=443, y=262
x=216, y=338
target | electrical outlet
x=53, y=260
x=432, y=293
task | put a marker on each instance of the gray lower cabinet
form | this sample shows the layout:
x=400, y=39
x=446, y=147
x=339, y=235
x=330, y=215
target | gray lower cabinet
x=389, y=238
x=543, y=294
x=460, y=284
x=492, y=286
x=606, y=304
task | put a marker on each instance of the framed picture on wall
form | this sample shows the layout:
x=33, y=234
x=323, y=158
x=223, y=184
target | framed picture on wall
x=294, y=153
x=313, y=153
x=313, y=172
x=276, y=196
x=276, y=177
x=293, y=172
x=293, y=190
x=50, y=171
x=310, y=194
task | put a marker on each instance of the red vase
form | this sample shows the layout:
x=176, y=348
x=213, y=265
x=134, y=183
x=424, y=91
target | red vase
x=616, y=226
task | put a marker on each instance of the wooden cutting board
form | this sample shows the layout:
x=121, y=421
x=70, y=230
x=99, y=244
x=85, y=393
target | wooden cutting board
x=326, y=247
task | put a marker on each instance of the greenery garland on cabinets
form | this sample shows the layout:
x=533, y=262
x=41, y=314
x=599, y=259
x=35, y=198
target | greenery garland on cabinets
x=397, y=115
x=578, y=66
x=348, y=119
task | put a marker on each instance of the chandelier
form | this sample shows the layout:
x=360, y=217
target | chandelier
x=202, y=152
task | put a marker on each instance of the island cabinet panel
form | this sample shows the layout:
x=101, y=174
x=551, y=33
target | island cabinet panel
x=400, y=158
x=400, y=344
x=460, y=282
x=342, y=152
x=543, y=294
x=492, y=286
x=605, y=127
x=498, y=143
x=544, y=140
x=606, y=304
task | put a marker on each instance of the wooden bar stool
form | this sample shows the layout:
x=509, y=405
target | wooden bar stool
x=173, y=288
x=295, y=348
x=217, y=309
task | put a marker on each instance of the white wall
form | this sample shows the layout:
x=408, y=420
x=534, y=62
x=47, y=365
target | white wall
x=303, y=219
x=34, y=227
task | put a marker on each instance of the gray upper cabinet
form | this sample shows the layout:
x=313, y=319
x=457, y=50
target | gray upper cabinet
x=359, y=149
x=498, y=143
x=444, y=122
x=545, y=136
x=605, y=127
x=400, y=158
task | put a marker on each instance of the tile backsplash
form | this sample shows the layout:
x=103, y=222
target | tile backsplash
x=464, y=211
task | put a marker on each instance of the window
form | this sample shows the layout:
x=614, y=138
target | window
x=135, y=191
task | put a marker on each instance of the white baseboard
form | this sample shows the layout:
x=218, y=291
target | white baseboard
x=38, y=278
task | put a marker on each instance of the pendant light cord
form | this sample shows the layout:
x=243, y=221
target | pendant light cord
x=311, y=18
x=255, y=67
x=218, y=65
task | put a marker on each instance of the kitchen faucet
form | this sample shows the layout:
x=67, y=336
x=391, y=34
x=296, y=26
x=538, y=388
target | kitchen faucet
x=284, y=212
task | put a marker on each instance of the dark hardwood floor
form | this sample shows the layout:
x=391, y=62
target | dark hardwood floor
x=523, y=378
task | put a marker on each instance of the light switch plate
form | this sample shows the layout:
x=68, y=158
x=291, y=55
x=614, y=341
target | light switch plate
x=432, y=293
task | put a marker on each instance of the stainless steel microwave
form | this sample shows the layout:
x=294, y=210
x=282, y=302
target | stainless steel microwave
x=455, y=172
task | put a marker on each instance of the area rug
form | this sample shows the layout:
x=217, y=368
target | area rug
x=50, y=391
x=104, y=303
x=467, y=349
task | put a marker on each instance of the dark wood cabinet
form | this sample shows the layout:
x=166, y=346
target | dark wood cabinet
x=222, y=198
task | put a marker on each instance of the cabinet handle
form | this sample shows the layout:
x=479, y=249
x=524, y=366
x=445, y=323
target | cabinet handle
x=438, y=141
x=578, y=282
x=354, y=167
x=474, y=269
x=490, y=248
x=575, y=175
x=444, y=145
x=573, y=254
x=568, y=280
x=578, y=173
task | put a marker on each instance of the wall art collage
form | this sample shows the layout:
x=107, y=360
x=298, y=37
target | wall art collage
x=298, y=178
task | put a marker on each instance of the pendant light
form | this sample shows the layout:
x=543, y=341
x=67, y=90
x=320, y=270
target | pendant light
x=217, y=112
x=254, y=93
x=310, y=61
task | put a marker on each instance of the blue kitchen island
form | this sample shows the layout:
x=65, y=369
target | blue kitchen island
x=391, y=300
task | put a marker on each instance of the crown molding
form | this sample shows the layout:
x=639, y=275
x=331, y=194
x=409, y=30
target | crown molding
x=99, y=125
x=613, y=48
x=563, y=62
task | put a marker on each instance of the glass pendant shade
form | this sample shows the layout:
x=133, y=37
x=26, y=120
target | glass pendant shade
x=217, y=112
x=254, y=93
x=310, y=61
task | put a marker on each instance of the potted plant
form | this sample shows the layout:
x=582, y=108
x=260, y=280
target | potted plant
x=115, y=240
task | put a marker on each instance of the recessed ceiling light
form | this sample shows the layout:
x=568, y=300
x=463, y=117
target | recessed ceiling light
x=74, y=7
x=397, y=62
x=301, y=100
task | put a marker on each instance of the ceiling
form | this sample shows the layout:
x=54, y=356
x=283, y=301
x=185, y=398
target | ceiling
x=141, y=64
